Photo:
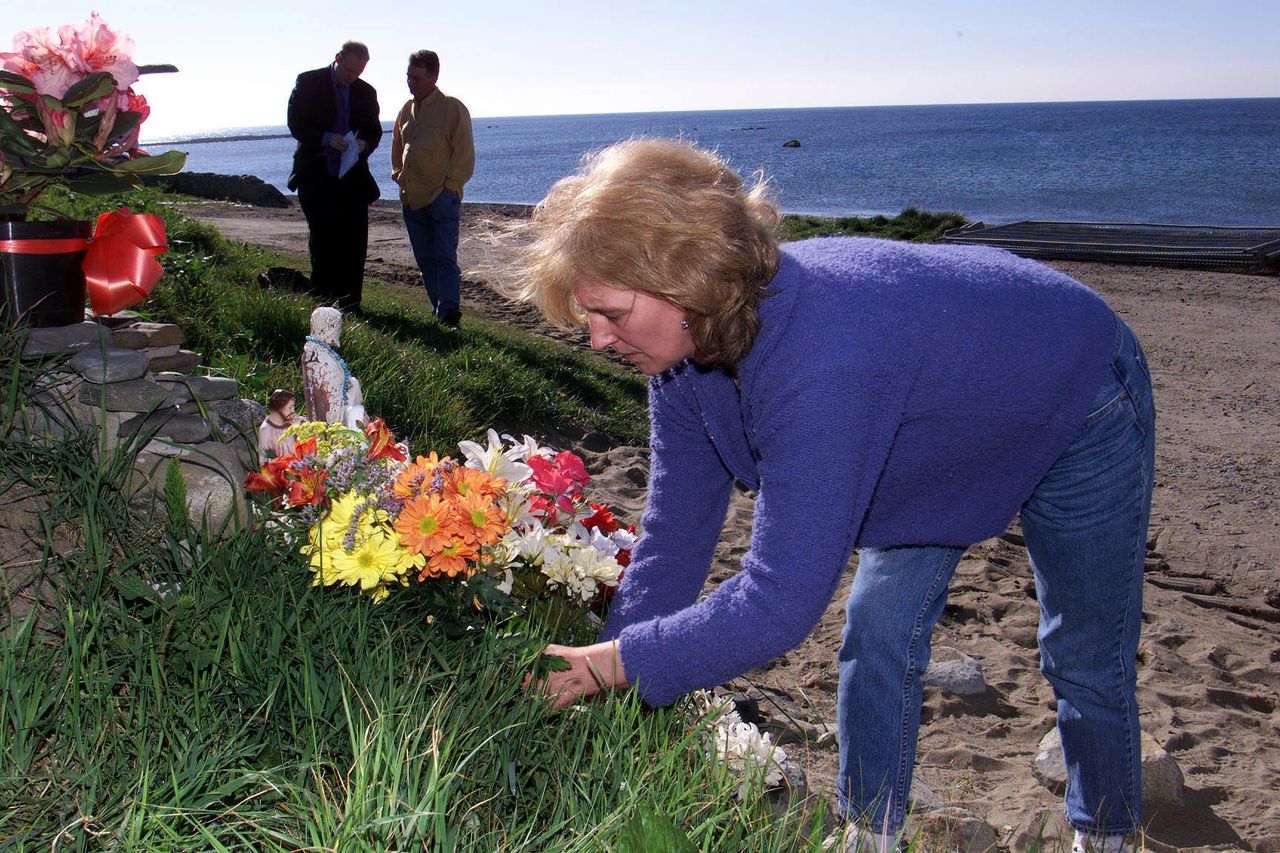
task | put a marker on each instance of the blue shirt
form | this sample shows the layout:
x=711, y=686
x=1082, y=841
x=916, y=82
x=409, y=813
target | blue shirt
x=897, y=394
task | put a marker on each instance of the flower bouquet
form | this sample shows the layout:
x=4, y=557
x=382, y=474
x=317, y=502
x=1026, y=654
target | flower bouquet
x=69, y=116
x=505, y=527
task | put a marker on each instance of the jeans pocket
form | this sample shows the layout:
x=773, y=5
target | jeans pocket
x=1113, y=393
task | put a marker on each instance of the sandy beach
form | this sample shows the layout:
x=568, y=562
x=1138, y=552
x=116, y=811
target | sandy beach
x=1209, y=667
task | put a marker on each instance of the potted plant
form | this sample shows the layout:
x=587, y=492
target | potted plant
x=68, y=117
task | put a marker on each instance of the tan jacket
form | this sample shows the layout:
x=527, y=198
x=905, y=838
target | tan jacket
x=431, y=149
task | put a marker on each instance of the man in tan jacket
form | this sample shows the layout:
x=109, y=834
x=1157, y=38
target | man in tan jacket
x=432, y=156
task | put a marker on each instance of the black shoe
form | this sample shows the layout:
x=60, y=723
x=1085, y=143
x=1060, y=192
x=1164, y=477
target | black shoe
x=453, y=319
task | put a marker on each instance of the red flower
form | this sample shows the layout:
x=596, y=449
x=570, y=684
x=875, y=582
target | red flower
x=382, y=444
x=602, y=519
x=564, y=477
x=271, y=478
x=303, y=449
x=308, y=489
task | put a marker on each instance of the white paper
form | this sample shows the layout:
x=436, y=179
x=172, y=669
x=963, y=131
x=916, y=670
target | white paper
x=350, y=155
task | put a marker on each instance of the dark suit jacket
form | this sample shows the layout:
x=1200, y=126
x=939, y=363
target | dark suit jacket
x=312, y=112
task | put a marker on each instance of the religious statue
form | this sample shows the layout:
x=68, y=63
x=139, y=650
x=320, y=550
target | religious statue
x=280, y=416
x=332, y=393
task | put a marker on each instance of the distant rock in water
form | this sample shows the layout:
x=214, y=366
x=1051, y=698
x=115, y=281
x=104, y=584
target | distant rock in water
x=791, y=143
x=244, y=189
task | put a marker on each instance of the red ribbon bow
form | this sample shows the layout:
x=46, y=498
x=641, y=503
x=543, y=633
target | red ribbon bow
x=120, y=267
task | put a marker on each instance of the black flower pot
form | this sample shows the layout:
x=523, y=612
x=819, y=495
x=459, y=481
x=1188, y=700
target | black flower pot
x=40, y=276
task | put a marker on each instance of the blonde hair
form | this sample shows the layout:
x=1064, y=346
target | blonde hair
x=665, y=218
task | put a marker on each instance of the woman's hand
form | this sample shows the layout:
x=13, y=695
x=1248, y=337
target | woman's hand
x=592, y=669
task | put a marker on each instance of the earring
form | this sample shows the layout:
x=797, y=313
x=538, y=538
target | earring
x=684, y=324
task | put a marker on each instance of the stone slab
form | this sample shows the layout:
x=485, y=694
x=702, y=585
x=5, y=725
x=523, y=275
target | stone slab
x=168, y=424
x=184, y=361
x=135, y=395
x=110, y=365
x=142, y=334
x=59, y=339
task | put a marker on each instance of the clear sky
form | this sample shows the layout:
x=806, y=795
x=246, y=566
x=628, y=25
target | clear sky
x=238, y=58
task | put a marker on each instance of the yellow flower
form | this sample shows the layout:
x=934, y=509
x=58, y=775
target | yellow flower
x=376, y=560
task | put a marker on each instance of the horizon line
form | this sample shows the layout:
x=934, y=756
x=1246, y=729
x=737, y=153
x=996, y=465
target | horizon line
x=202, y=135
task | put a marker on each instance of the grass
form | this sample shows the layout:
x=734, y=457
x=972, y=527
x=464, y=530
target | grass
x=912, y=224
x=171, y=690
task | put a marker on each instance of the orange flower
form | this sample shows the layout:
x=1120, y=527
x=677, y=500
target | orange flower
x=451, y=561
x=480, y=520
x=426, y=525
x=382, y=444
x=416, y=475
x=271, y=478
x=462, y=481
x=309, y=488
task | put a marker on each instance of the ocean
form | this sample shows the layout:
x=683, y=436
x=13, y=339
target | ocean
x=1207, y=162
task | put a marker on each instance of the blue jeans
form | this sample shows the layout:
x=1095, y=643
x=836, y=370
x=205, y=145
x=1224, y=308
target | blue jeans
x=433, y=234
x=1085, y=528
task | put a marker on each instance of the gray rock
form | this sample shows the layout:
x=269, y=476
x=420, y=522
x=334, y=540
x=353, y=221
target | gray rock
x=167, y=424
x=175, y=384
x=955, y=672
x=213, y=501
x=1162, y=779
x=793, y=790
x=142, y=334
x=184, y=362
x=118, y=319
x=161, y=352
x=58, y=339
x=922, y=798
x=244, y=189
x=237, y=419
x=791, y=143
x=55, y=388
x=110, y=365
x=134, y=395
x=108, y=423
x=211, y=388
x=232, y=460
x=954, y=828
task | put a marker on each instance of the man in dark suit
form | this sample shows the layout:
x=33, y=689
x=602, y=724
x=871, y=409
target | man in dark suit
x=326, y=105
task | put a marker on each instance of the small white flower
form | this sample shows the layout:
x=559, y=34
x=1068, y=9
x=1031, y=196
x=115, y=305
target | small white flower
x=528, y=447
x=526, y=544
x=495, y=459
x=624, y=539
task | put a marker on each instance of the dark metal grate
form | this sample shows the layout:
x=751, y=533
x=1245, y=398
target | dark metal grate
x=1189, y=246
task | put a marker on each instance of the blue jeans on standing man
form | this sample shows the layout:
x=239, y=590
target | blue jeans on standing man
x=1085, y=528
x=433, y=234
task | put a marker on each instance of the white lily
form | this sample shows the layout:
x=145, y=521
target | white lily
x=496, y=459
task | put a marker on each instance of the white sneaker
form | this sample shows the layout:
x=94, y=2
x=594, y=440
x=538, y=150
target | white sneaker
x=856, y=839
x=1105, y=844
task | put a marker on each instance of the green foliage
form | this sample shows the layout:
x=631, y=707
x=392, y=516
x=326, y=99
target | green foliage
x=918, y=226
x=175, y=499
x=203, y=695
x=175, y=691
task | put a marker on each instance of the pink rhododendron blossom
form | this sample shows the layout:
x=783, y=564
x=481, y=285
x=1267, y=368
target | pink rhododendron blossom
x=53, y=62
x=103, y=49
x=59, y=122
x=131, y=102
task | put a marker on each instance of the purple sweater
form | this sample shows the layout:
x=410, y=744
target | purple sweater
x=897, y=394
